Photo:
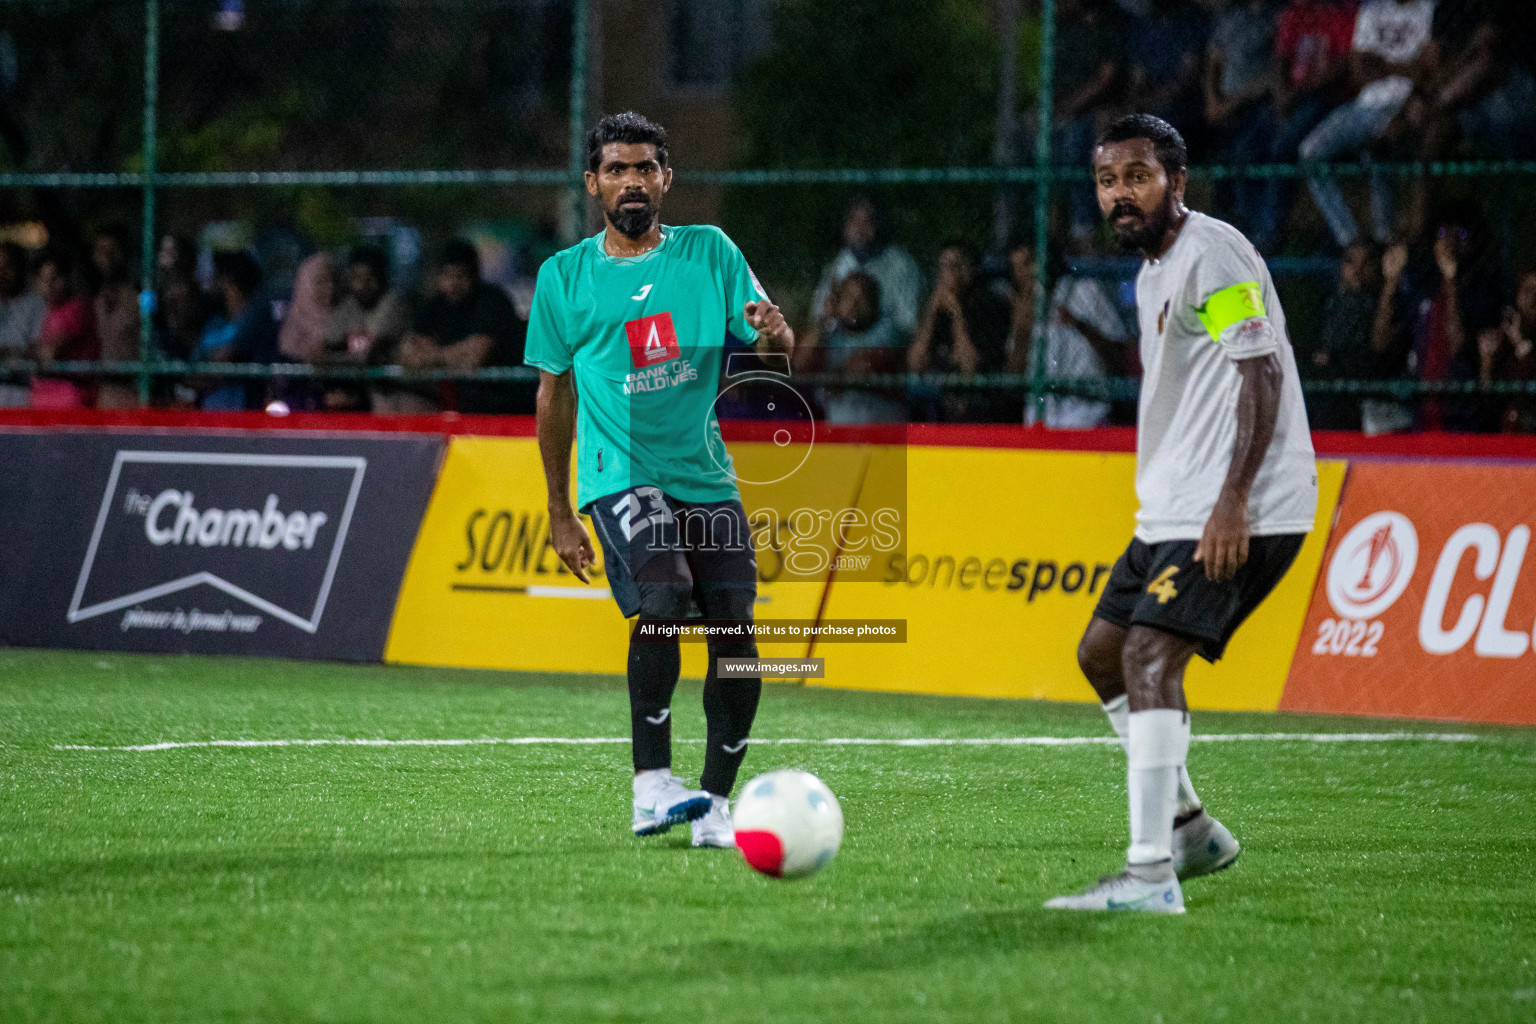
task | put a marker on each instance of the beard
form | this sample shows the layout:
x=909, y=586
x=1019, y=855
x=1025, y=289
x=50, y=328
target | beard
x=632, y=221
x=1146, y=228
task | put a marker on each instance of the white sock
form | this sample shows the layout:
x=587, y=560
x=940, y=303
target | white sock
x=1189, y=800
x=1156, y=747
x=1119, y=712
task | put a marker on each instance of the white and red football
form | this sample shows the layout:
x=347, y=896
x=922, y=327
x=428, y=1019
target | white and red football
x=788, y=824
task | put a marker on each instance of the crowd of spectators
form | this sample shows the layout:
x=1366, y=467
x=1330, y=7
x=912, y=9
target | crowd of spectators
x=1440, y=309
x=1426, y=293
x=1425, y=290
x=1315, y=81
x=340, y=312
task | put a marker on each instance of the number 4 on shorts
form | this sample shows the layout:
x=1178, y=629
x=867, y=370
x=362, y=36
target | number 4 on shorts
x=1163, y=585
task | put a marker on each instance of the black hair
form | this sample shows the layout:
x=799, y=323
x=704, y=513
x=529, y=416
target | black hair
x=1166, y=141
x=372, y=257
x=971, y=253
x=628, y=127
x=186, y=249
x=459, y=253
x=867, y=283
x=18, y=256
x=239, y=269
x=62, y=259
x=119, y=233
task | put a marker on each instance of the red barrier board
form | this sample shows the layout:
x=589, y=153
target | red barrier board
x=1426, y=601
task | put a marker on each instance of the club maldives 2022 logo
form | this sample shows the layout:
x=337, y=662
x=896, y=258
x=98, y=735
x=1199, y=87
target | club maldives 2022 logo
x=1372, y=565
x=265, y=530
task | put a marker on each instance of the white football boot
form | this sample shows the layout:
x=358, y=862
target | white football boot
x=1203, y=846
x=661, y=801
x=1148, y=888
x=715, y=828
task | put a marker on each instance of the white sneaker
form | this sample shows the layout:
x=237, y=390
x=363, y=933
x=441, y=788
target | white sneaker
x=1203, y=846
x=715, y=828
x=1149, y=888
x=661, y=801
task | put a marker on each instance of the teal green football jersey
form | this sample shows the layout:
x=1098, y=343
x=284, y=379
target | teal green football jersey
x=644, y=337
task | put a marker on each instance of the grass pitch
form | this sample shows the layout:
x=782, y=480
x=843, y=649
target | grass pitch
x=1391, y=881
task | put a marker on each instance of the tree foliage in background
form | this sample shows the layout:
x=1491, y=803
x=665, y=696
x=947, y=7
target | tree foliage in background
x=304, y=84
x=864, y=83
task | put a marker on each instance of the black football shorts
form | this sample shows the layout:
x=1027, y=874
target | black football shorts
x=1162, y=586
x=705, y=542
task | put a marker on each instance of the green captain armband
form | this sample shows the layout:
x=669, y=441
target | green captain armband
x=1231, y=306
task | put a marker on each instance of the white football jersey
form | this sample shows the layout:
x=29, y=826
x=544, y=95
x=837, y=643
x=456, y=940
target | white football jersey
x=1206, y=304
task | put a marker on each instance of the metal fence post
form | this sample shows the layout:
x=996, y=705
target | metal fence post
x=576, y=198
x=147, y=248
x=1007, y=120
x=1046, y=120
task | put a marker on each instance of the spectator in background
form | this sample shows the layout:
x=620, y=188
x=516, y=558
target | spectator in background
x=1390, y=345
x=963, y=329
x=243, y=331
x=855, y=340
x=22, y=311
x=1390, y=36
x=301, y=337
x=365, y=329
x=1508, y=353
x=1313, y=41
x=867, y=249
x=1447, y=294
x=117, y=313
x=181, y=307
x=1344, y=350
x=1167, y=48
x=468, y=324
x=1085, y=339
x=1090, y=75
x=1241, y=76
x=1020, y=289
x=68, y=333
x=1481, y=86
x=1477, y=93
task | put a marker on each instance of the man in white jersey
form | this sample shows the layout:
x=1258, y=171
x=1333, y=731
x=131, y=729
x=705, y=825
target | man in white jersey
x=1227, y=487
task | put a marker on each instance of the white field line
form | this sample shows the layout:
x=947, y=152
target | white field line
x=997, y=741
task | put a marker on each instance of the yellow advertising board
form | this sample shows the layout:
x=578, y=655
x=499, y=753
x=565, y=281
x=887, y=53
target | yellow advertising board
x=1006, y=552
x=485, y=589
x=1006, y=555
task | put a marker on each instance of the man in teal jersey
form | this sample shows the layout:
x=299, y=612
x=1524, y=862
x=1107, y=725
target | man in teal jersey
x=635, y=321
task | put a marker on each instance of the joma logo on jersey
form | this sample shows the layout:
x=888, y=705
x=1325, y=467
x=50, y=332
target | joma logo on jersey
x=652, y=340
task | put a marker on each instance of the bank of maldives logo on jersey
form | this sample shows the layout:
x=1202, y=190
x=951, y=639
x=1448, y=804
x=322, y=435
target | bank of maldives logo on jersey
x=652, y=340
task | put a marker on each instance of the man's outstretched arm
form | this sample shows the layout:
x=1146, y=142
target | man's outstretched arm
x=1224, y=544
x=557, y=433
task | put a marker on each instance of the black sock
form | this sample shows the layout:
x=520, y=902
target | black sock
x=730, y=705
x=653, y=671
